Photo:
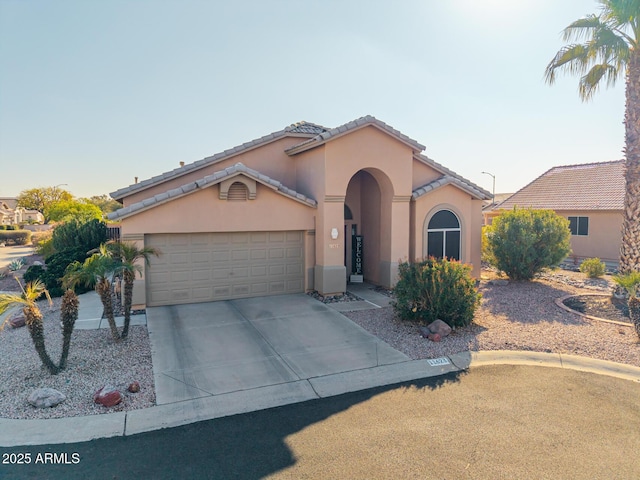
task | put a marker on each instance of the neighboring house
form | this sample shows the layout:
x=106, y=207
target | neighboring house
x=11, y=214
x=590, y=196
x=489, y=205
x=303, y=208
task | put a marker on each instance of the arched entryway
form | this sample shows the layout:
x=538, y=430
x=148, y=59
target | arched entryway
x=367, y=216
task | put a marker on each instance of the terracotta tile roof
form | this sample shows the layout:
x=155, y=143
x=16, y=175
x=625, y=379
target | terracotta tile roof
x=590, y=186
x=208, y=181
x=353, y=125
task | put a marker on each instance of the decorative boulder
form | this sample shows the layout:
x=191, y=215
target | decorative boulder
x=108, y=396
x=46, y=397
x=439, y=327
x=38, y=263
x=17, y=320
x=134, y=387
x=434, y=337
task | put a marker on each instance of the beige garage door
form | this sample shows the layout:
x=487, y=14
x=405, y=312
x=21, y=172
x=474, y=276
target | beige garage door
x=202, y=267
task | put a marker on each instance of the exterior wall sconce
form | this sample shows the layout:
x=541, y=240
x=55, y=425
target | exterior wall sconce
x=334, y=233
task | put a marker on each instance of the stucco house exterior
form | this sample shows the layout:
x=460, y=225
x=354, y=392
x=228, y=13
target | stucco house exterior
x=11, y=214
x=303, y=208
x=590, y=196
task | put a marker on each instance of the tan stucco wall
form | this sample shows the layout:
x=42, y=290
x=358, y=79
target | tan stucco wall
x=203, y=211
x=604, y=237
x=468, y=211
x=269, y=159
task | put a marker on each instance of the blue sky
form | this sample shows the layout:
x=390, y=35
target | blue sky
x=95, y=93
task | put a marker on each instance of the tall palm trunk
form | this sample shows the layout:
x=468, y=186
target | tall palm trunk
x=129, y=277
x=104, y=292
x=630, y=249
x=33, y=319
x=69, y=315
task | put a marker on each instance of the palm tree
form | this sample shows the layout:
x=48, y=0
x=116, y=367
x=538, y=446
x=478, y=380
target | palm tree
x=33, y=317
x=68, y=316
x=97, y=271
x=611, y=48
x=127, y=255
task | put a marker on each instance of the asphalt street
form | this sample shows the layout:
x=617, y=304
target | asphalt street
x=491, y=422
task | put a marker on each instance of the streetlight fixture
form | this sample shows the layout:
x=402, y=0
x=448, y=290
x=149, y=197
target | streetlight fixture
x=493, y=201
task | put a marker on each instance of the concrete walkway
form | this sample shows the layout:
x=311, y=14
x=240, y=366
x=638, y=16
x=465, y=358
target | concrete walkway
x=239, y=356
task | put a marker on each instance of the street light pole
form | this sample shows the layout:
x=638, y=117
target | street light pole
x=493, y=201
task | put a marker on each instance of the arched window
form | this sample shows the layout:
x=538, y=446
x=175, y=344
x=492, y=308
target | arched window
x=443, y=235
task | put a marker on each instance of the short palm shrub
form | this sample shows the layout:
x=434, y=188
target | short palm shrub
x=523, y=242
x=593, y=267
x=631, y=283
x=434, y=289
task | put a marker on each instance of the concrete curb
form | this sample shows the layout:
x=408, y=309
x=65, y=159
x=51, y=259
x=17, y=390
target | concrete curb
x=78, y=429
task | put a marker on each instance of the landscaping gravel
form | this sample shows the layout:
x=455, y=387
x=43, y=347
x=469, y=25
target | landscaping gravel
x=516, y=316
x=94, y=360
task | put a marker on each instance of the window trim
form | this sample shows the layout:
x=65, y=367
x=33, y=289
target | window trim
x=444, y=233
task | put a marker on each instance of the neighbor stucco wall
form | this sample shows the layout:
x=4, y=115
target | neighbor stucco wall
x=604, y=237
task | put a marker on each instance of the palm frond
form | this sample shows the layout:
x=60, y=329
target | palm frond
x=590, y=82
x=573, y=58
x=582, y=28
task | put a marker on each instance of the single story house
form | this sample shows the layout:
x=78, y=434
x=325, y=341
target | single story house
x=304, y=208
x=590, y=196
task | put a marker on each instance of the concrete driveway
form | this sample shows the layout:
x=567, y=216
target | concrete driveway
x=208, y=349
x=13, y=252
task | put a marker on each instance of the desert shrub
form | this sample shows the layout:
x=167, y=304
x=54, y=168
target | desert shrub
x=43, y=243
x=16, y=237
x=436, y=289
x=83, y=235
x=523, y=242
x=593, y=267
x=486, y=252
x=33, y=273
x=56, y=266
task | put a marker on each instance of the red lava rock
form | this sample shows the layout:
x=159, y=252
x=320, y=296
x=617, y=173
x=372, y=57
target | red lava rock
x=434, y=337
x=134, y=387
x=439, y=327
x=108, y=396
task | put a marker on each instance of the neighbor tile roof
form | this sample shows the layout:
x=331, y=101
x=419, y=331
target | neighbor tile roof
x=590, y=186
x=347, y=127
x=208, y=181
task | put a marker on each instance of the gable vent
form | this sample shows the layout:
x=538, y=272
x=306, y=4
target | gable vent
x=237, y=192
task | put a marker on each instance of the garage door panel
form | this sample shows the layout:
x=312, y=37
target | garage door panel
x=201, y=267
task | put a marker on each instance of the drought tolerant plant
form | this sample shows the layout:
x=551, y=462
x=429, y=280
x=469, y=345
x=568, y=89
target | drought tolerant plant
x=68, y=316
x=593, y=267
x=127, y=255
x=523, y=242
x=33, y=317
x=16, y=265
x=434, y=289
x=631, y=283
x=97, y=271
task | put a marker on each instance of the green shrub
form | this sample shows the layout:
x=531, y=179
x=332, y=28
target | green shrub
x=436, y=289
x=15, y=237
x=43, y=243
x=56, y=266
x=486, y=252
x=630, y=282
x=83, y=235
x=523, y=242
x=593, y=267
